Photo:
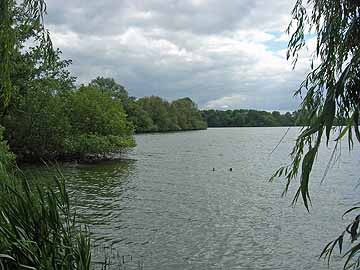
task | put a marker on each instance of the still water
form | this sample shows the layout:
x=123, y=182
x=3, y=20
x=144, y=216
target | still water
x=163, y=206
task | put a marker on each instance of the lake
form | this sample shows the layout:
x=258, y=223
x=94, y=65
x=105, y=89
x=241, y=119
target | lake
x=163, y=206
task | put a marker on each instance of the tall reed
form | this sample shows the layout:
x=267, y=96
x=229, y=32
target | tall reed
x=37, y=227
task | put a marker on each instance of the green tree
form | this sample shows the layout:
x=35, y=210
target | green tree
x=18, y=23
x=38, y=125
x=139, y=117
x=156, y=114
x=247, y=118
x=187, y=114
x=111, y=87
x=32, y=111
x=98, y=123
x=159, y=111
x=331, y=90
x=39, y=107
x=37, y=229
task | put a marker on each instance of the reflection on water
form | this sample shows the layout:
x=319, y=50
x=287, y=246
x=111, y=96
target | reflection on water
x=164, y=206
x=96, y=192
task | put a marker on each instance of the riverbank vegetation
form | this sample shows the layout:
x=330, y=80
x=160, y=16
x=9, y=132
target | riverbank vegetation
x=153, y=113
x=250, y=118
x=45, y=116
x=254, y=118
x=37, y=226
x=48, y=117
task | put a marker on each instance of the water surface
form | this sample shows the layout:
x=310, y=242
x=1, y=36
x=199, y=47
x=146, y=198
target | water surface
x=164, y=206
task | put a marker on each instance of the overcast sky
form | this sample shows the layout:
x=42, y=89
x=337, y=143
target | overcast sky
x=223, y=54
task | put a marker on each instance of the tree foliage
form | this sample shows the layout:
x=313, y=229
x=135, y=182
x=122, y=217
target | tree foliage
x=161, y=115
x=20, y=21
x=108, y=85
x=7, y=158
x=153, y=114
x=250, y=118
x=70, y=124
x=330, y=91
x=187, y=114
x=37, y=227
x=98, y=123
x=45, y=116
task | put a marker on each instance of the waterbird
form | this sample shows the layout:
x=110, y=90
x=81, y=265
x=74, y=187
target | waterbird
x=230, y=169
x=213, y=169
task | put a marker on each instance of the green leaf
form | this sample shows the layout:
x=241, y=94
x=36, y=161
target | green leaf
x=328, y=115
x=342, y=133
x=4, y=256
x=340, y=241
x=350, y=210
x=353, y=230
x=305, y=175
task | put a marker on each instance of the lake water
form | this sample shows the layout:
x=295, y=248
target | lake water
x=163, y=206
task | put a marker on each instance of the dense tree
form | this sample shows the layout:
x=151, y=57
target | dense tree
x=19, y=23
x=248, y=118
x=330, y=91
x=160, y=112
x=181, y=114
x=37, y=229
x=109, y=86
x=187, y=114
x=98, y=123
x=69, y=124
x=37, y=125
x=153, y=114
x=139, y=117
x=30, y=111
x=41, y=109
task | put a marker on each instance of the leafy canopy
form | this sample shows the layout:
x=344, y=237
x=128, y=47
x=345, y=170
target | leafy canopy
x=18, y=23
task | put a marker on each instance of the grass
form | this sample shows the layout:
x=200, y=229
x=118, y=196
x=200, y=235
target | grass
x=37, y=227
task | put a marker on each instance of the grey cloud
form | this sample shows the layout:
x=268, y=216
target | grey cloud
x=212, y=51
x=206, y=17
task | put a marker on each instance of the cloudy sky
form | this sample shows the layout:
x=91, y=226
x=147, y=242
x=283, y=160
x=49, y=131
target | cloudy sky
x=222, y=54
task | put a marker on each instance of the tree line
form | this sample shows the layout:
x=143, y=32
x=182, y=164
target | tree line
x=250, y=118
x=51, y=118
x=153, y=113
x=254, y=118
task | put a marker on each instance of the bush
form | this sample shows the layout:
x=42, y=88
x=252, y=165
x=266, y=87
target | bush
x=98, y=124
x=37, y=127
x=92, y=111
x=72, y=124
x=89, y=144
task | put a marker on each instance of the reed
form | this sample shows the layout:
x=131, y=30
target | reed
x=37, y=226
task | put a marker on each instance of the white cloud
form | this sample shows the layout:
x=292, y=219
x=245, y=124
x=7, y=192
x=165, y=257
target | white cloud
x=218, y=53
x=226, y=102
